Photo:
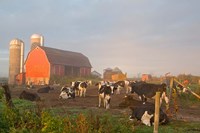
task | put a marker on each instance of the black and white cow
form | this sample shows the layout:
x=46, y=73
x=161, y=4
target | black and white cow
x=105, y=92
x=45, y=89
x=80, y=88
x=145, y=114
x=29, y=96
x=67, y=93
x=123, y=84
x=112, y=85
x=179, y=88
x=148, y=90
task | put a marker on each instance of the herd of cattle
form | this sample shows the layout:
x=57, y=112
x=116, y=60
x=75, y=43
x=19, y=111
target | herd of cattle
x=144, y=112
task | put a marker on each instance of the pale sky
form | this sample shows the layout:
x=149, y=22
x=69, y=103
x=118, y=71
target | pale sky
x=138, y=36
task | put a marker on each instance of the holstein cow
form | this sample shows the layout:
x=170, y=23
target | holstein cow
x=179, y=88
x=105, y=92
x=113, y=87
x=29, y=96
x=123, y=84
x=80, y=88
x=67, y=93
x=45, y=89
x=145, y=114
x=148, y=90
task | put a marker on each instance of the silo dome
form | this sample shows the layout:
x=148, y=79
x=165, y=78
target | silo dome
x=35, y=36
x=36, y=40
x=15, y=41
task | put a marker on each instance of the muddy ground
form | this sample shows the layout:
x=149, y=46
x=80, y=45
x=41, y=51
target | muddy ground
x=51, y=100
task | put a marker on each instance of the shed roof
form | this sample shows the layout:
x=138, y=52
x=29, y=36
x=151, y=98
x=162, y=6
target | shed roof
x=69, y=58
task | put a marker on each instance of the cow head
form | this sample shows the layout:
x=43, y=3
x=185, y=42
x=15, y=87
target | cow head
x=113, y=88
x=72, y=84
x=146, y=118
x=163, y=87
x=99, y=85
x=181, y=88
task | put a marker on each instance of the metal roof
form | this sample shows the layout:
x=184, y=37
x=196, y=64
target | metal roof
x=69, y=58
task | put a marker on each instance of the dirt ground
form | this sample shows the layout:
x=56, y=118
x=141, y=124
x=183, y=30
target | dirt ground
x=51, y=100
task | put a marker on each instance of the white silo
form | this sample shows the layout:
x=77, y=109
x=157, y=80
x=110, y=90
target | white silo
x=16, y=59
x=36, y=40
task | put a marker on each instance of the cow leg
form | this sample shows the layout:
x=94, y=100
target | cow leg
x=84, y=91
x=160, y=101
x=81, y=92
x=128, y=89
x=77, y=92
x=107, y=101
x=143, y=99
x=118, y=90
x=99, y=100
x=165, y=97
x=140, y=98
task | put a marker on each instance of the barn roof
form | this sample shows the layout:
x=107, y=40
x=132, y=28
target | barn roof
x=69, y=58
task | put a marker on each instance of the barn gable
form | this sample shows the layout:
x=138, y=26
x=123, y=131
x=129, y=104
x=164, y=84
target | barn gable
x=37, y=66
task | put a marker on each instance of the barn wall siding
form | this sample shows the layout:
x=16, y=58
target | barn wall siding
x=37, y=67
x=57, y=70
x=85, y=71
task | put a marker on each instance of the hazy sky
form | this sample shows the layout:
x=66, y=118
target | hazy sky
x=138, y=36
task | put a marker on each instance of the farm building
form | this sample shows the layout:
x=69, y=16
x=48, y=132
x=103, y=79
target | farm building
x=44, y=62
x=95, y=73
x=146, y=77
x=113, y=74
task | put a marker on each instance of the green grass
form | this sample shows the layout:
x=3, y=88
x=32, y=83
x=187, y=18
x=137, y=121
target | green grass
x=19, y=103
x=172, y=127
x=92, y=118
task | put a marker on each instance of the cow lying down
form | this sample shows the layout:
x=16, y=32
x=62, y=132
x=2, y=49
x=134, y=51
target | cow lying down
x=29, y=96
x=145, y=114
x=45, y=89
x=67, y=93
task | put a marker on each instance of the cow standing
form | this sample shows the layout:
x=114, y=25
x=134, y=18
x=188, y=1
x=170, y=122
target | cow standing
x=123, y=84
x=148, y=90
x=80, y=88
x=105, y=92
x=112, y=85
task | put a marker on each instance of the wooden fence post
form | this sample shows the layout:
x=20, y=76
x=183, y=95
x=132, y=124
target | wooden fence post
x=9, y=102
x=157, y=112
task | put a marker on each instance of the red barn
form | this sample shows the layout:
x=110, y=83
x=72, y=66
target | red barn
x=43, y=62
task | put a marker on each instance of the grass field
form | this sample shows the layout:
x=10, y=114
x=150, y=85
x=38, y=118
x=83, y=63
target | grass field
x=110, y=122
